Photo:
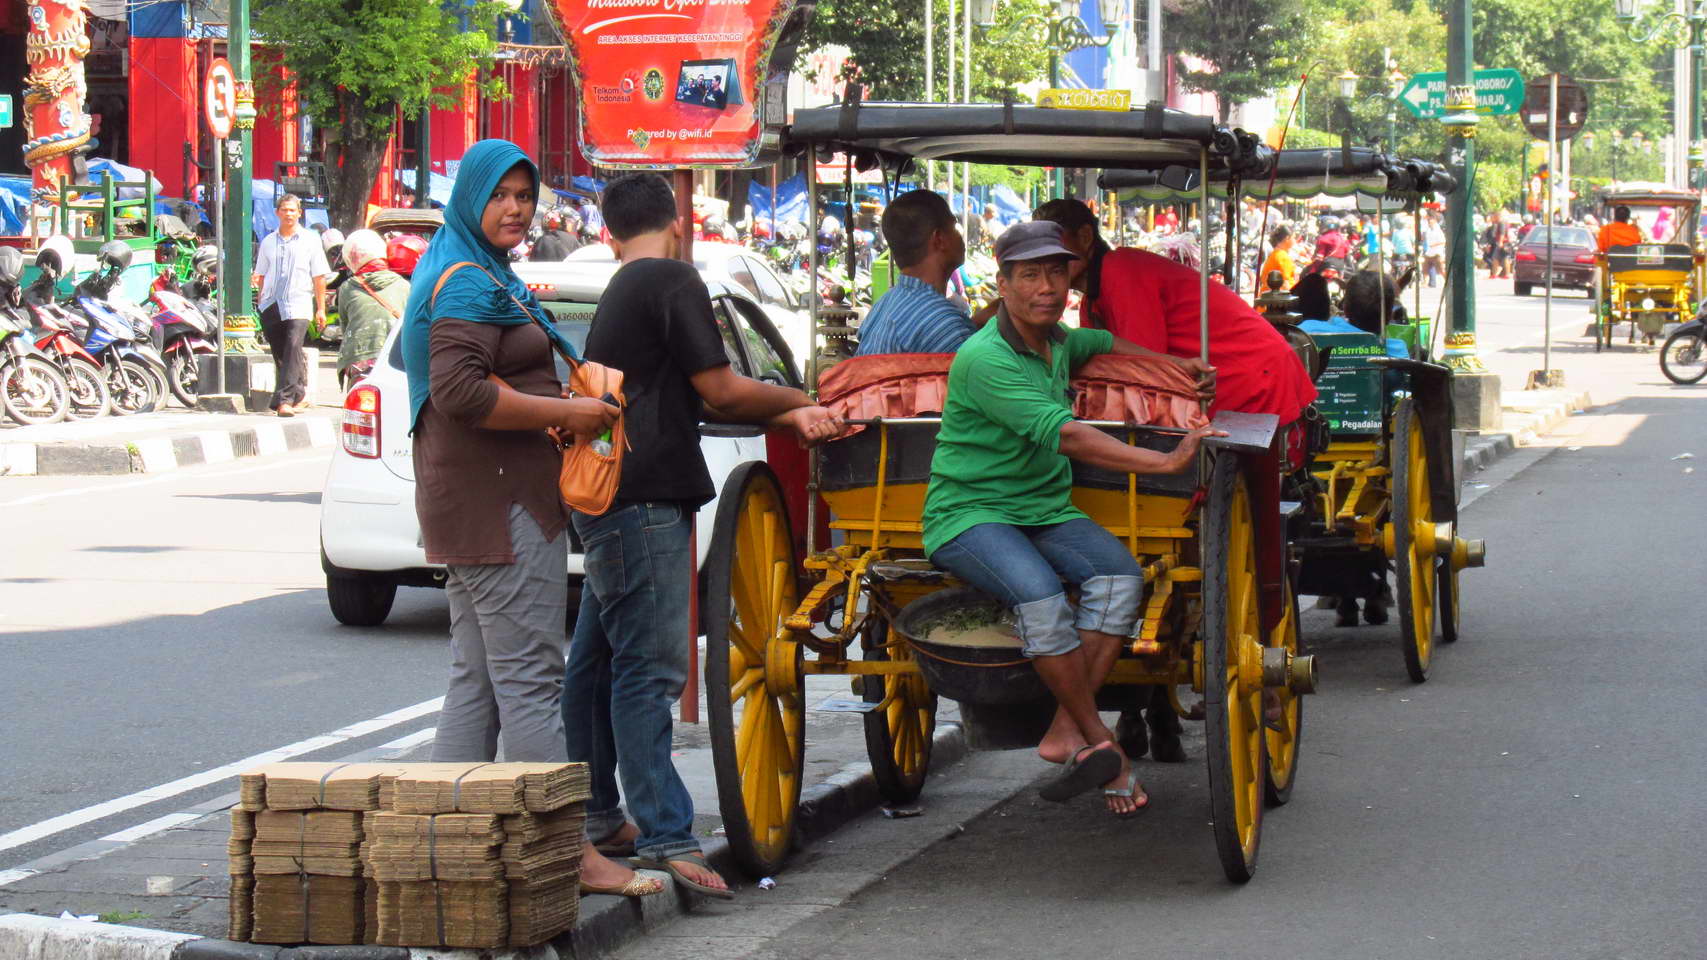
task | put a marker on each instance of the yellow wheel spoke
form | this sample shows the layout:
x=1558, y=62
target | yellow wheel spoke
x=739, y=689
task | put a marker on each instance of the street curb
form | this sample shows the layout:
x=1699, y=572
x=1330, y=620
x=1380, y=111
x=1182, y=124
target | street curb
x=606, y=923
x=160, y=452
x=1530, y=421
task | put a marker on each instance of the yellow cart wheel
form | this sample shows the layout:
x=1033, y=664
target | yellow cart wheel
x=1232, y=674
x=755, y=695
x=1415, y=565
x=1282, y=746
x=898, y=733
x=1448, y=612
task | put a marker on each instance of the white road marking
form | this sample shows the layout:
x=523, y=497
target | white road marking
x=160, y=478
x=77, y=818
x=13, y=876
x=151, y=827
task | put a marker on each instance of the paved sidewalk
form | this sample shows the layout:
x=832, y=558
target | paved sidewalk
x=171, y=437
x=174, y=878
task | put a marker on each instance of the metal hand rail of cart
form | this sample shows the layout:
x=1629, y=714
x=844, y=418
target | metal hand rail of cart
x=1383, y=495
x=1218, y=614
x=1653, y=283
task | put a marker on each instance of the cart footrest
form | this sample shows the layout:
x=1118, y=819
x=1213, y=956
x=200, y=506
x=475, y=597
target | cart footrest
x=906, y=571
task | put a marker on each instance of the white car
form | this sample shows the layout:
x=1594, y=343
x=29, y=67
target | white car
x=736, y=266
x=370, y=540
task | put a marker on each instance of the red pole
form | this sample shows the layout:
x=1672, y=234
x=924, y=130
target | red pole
x=690, y=694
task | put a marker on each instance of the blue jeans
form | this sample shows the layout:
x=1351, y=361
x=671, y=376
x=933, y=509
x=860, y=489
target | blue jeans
x=1023, y=568
x=628, y=662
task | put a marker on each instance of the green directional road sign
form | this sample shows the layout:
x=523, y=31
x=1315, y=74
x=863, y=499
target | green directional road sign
x=5, y=110
x=1498, y=92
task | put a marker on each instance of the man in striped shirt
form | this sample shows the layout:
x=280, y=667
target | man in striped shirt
x=915, y=315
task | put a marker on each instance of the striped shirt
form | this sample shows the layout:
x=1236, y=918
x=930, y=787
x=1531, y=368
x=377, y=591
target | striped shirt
x=913, y=318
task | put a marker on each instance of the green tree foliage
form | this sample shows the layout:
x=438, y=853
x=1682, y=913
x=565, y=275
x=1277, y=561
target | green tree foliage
x=355, y=62
x=1254, y=47
x=887, y=43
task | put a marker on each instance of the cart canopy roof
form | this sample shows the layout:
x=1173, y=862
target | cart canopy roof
x=1147, y=138
x=1298, y=175
x=1646, y=195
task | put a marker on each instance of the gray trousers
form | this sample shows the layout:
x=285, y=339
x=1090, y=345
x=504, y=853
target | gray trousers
x=506, y=640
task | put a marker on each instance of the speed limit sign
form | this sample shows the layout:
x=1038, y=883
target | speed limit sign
x=219, y=97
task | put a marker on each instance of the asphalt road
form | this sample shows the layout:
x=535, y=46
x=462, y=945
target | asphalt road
x=157, y=627
x=1539, y=797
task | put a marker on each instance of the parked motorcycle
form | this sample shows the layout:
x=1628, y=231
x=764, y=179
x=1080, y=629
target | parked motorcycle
x=182, y=332
x=135, y=374
x=32, y=389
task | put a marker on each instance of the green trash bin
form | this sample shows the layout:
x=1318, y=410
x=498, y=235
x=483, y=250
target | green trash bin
x=882, y=275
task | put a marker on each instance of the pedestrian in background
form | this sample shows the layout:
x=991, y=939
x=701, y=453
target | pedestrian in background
x=291, y=272
x=1433, y=250
x=370, y=303
x=556, y=243
x=483, y=391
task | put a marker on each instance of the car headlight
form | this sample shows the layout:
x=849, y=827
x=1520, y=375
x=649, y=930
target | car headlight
x=1648, y=303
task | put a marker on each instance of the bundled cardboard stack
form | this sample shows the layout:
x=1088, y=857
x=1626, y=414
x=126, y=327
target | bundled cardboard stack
x=479, y=855
x=304, y=881
x=460, y=855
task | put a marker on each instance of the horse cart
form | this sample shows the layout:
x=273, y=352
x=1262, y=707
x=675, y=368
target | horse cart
x=1381, y=494
x=851, y=597
x=1657, y=281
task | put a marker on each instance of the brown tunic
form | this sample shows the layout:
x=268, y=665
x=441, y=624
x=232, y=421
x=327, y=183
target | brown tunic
x=467, y=476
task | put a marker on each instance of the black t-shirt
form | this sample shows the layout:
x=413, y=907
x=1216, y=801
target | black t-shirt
x=654, y=323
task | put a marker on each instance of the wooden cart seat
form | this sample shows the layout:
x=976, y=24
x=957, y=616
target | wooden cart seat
x=1629, y=263
x=1136, y=390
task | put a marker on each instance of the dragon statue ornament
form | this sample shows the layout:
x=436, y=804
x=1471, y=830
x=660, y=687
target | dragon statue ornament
x=55, y=124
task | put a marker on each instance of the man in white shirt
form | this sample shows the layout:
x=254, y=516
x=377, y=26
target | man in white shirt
x=1433, y=250
x=291, y=272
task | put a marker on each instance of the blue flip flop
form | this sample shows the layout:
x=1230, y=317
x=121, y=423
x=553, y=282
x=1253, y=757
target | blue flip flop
x=1089, y=768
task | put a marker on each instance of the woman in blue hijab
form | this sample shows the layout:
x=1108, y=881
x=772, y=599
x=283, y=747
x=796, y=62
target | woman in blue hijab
x=483, y=391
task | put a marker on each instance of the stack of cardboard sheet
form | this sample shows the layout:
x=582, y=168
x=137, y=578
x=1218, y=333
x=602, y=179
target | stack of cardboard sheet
x=489, y=787
x=308, y=876
x=297, y=874
x=242, y=871
x=479, y=855
x=461, y=855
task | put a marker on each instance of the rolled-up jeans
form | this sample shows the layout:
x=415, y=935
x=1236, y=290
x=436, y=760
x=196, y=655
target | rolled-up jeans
x=1023, y=567
x=628, y=662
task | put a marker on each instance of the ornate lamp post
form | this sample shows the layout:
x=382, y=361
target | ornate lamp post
x=1062, y=33
x=1680, y=31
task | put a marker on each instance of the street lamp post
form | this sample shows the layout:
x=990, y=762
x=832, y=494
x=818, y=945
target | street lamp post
x=1475, y=391
x=1680, y=31
x=1063, y=33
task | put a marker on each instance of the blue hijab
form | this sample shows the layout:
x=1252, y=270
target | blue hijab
x=469, y=294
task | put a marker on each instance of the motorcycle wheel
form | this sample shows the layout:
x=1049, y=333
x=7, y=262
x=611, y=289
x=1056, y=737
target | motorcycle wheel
x=160, y=387
x=183, y=372
x=89, y=395
x=133, y=388
x=33, y=391
x=1683, y=359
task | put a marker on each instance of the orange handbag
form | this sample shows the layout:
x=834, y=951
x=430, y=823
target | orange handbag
x=588, y=479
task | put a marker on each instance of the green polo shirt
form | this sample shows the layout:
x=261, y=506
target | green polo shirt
x=998, y=457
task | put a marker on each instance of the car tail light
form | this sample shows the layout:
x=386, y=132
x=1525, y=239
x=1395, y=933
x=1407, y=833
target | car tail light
x=542, y=287
x=1525, y=255
x=360, y=430
x=1585, y=258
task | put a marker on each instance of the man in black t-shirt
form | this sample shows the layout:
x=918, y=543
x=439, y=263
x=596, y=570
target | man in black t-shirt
x=628, y=661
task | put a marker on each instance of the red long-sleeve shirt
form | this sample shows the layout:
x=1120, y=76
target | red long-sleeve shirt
x=1153, y=302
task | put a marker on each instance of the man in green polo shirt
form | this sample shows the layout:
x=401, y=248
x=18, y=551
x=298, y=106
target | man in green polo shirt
x=999, y=512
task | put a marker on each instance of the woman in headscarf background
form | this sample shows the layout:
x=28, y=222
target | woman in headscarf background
x=483, y=391
x=370, y=303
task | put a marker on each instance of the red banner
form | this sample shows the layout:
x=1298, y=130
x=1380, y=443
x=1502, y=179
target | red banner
x=671, y=83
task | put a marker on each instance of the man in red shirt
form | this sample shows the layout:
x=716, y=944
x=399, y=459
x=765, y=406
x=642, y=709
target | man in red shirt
x=1153, y=302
